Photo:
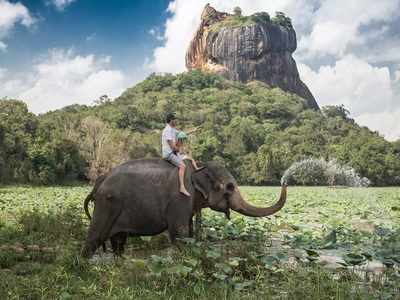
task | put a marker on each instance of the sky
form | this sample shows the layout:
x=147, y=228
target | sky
x=55, y=53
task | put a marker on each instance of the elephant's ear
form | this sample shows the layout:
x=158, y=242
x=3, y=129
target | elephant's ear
x=201, y=182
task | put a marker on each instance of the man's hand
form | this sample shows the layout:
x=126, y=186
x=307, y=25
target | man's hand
x=173, y=145
x=193, y=130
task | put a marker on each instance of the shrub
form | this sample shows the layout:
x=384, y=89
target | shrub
x=237, y=11
x=261, y=17
x=313, y=171
x=281, y=20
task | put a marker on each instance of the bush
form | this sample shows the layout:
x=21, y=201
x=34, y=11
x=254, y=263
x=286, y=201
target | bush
x=313, y=171
x=261, y=17
x=237, y=11
x=281, y=20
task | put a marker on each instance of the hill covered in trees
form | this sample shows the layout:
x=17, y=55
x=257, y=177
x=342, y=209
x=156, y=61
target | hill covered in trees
x=255, y=130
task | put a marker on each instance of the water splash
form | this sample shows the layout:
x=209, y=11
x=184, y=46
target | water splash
x=312, y=171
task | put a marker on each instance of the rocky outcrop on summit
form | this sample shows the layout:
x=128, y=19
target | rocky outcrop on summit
x=248, y=48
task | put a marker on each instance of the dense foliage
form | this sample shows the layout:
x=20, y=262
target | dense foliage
x=237, y=19
x=256, y=131
x=324, y=244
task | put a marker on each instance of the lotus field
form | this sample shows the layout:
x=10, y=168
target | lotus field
x=326, y=243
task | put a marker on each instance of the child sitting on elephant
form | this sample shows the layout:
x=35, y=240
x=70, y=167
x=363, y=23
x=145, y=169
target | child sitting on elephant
x=181, y=137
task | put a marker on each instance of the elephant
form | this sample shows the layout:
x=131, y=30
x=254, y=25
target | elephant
x=141, y=198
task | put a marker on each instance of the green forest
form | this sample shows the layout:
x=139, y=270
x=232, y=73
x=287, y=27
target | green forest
x=256, y=131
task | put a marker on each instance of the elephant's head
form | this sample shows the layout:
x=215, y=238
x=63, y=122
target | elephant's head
x=219, y=191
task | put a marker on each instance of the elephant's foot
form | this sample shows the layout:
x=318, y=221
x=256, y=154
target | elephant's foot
x=118, y=241
x=179, y=231
x=88, y=251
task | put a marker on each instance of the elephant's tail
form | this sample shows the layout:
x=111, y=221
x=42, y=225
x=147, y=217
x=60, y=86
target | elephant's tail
x=90, y=197
x=86, y=205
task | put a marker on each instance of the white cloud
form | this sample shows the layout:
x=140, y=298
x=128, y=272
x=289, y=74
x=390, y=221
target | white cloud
x=12, y=14
x=63, y=78
x=3, y=47
x=155, y=32
x=2, y=72
x=384, y=51
x=336, y=25
x=365, y=90
x=397, y=75
x=61, y=4
x=384, y=122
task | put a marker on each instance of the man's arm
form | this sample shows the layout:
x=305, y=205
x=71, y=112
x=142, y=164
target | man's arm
x=193, y=130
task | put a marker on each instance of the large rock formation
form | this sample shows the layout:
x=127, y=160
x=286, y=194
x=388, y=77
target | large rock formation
x=248, y=48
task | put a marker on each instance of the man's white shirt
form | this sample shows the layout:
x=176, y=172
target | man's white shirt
x=168, y=134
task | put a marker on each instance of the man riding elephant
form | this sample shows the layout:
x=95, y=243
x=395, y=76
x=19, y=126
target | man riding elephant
x=171, y=150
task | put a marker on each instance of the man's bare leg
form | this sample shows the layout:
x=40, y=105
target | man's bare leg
x=181, y=174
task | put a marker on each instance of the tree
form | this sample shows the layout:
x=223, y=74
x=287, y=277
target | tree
x=237, y=11
x=104, y=99
x=333, y=111
x=17, y=129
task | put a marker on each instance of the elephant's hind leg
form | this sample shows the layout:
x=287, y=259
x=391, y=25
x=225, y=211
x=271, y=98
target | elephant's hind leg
x=105, y=213
x=118, y=241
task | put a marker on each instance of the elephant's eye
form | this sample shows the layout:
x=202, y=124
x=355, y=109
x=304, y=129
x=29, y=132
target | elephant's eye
x=230, y=187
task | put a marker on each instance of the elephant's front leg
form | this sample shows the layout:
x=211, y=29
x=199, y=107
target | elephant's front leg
x=198, y=228
x=191, y=227
x=179, y=231
x=179, y=214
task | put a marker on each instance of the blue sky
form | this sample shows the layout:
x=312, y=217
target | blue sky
x=59, y=52
x=102, y=27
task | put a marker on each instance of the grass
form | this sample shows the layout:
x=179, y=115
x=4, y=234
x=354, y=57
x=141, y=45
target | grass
x=42, y=229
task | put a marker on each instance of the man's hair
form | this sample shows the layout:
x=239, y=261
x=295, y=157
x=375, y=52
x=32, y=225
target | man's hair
x=169, y=117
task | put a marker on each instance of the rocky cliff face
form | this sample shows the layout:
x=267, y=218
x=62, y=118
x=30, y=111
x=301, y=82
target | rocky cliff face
x=248, y=48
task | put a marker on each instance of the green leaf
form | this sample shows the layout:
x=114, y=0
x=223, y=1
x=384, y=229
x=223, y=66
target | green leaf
x=234, y=261
x=65, y=295
x=242, y=285
x=213, y=254
x=197, y=289
x=220, y=276
x=224, y=267
x=367, y=255
x=192, y=262
x=312, y=253
x=179, y=269
x=146, y=238
x=330, y=240
x=354, y=259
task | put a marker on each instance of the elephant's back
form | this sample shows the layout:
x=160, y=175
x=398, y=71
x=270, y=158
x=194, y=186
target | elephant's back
x=140, y=176
x=145, y=166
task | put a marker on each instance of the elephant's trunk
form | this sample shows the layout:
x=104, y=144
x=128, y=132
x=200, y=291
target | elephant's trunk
x=239, y=205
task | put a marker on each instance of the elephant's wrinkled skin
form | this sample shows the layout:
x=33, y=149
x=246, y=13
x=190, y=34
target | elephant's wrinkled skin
x=141, y=197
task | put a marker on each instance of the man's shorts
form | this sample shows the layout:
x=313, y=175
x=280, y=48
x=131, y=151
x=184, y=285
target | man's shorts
x=175, y=159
